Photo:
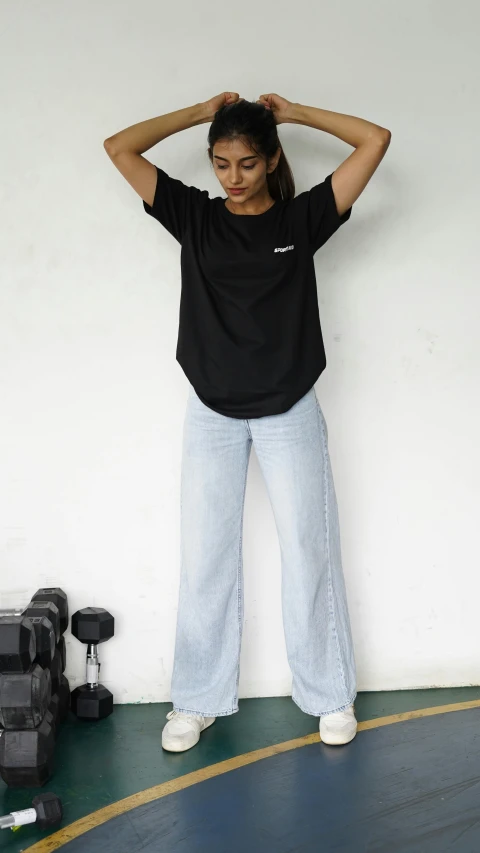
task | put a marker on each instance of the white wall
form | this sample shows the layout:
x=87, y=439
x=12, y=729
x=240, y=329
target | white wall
x=92, y=399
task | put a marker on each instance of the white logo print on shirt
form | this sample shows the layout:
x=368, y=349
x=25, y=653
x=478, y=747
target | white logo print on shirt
x=283, y=250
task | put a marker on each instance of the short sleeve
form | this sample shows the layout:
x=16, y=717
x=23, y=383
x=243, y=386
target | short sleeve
x=323, y=218
x=174, y=203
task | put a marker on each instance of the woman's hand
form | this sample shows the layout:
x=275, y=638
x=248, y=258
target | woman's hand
x=219, y=101
x=280, y=107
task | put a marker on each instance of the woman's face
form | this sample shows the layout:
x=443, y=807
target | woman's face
x=237, y=166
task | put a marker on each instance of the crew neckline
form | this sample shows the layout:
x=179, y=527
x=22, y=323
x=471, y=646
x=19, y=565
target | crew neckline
x=248, y=215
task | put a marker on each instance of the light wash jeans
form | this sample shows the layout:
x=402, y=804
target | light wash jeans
x=293, y=455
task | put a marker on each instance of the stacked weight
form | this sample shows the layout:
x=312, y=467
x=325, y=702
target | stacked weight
x=34, y=692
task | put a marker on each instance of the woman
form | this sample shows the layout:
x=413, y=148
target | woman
x=250, y=344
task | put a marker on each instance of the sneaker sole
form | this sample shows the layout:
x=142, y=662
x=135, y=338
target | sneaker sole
x=171, y=746
x=337, y=741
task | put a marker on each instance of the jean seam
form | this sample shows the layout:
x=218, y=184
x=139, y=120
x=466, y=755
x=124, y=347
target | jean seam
x=327, y=540
x=239, y=587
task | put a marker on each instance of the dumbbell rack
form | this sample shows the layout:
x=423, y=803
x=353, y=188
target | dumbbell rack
x=34, y=692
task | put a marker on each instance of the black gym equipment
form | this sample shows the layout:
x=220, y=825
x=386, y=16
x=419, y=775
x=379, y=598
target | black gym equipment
x=59, y=598
x=24, y=698
x=54, y=709
x=18, y=644
x=34, y=692
x=60, y=702
x=48, y=609
x=46, y=811
x=92, y=625
x=26, y=757
x=51, y=719
x=45, y=639
x=61, y=646
x=56, y=671
x=63, y=698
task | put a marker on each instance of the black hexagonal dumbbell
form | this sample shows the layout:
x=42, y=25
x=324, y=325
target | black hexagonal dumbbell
x=13, y=641
x=59, y=598
x=56, y=670
x=47, y=609
x=61, y=646
x=60, y=702
x=64, y=697
x=92, y=625
x=26, y=757
x=46, y=603
x=46, y=811
x=45, y=640
x=18, y=644
x=24, y=698
x=48, y=614
x=46, y=597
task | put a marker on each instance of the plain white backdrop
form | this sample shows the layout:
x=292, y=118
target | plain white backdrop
x=92, y=400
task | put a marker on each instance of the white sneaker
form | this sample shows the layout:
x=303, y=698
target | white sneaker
x=338, y=728
x=183, y=730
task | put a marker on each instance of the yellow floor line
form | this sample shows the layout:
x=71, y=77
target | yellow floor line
x=84, y=824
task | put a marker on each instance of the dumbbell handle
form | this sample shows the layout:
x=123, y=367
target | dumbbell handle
x=18, y=818
x=93, y=665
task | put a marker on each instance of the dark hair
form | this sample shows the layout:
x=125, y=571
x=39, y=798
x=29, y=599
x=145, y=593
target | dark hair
x=255, y=125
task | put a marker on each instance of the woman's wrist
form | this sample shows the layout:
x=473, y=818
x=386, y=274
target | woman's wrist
x=202, y=112
x=293, y=114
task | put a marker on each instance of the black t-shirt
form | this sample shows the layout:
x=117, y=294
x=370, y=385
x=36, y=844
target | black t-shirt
x=249, y=338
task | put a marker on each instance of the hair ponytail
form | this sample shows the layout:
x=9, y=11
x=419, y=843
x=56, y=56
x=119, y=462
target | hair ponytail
x=280, y=182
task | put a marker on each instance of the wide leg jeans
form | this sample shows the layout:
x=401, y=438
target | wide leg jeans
x=292, y=450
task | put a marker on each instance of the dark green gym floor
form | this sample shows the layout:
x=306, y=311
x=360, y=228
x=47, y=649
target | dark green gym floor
x=99, y=763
